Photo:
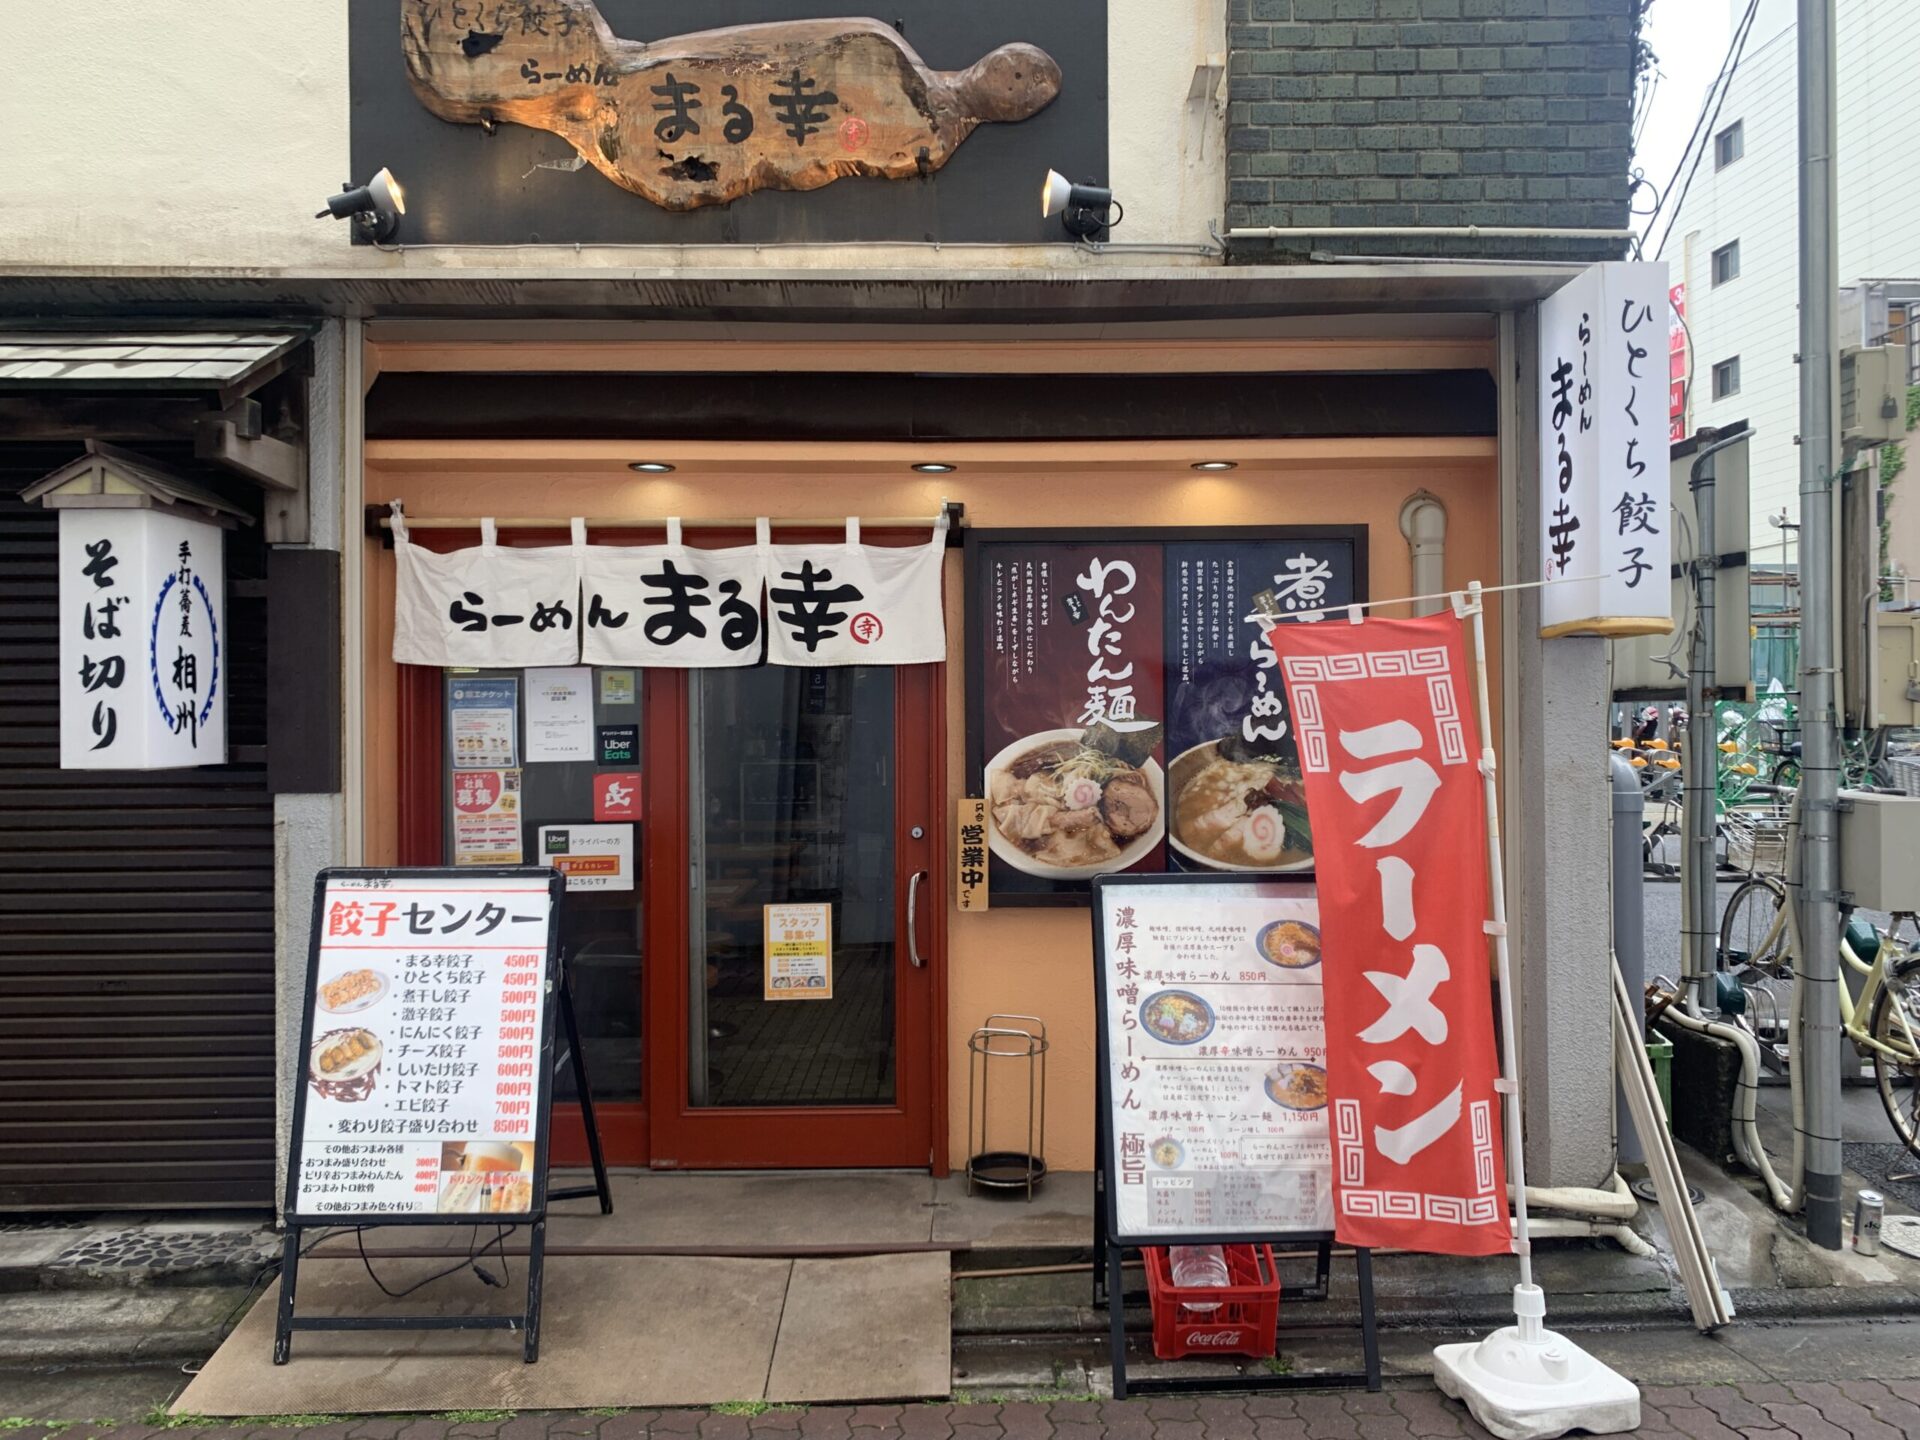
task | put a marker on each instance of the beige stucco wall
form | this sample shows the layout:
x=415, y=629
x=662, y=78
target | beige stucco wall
x=1028, y=961
x=205, y=135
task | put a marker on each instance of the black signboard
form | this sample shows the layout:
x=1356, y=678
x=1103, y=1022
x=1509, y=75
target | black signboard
x=426, y=1068
x=496, y=182
x=1124, y=709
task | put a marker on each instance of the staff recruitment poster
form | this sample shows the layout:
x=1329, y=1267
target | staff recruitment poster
x=426, y=1046
x=1125, y=711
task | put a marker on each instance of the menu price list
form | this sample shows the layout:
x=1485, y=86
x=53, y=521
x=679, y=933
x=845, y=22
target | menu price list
x=1217, y=1059
x=423, y=1068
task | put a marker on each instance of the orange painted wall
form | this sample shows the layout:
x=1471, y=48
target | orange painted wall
x=1028, y=961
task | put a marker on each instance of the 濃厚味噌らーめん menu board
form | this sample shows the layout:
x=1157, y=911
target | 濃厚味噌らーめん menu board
x=424, y=1084
x=1125, y=711
x=1215, y=1083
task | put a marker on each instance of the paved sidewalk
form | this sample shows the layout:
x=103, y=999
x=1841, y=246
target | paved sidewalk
x=1863, y=1409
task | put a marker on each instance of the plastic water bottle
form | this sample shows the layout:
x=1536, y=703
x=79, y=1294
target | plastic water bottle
x=1199, y=1266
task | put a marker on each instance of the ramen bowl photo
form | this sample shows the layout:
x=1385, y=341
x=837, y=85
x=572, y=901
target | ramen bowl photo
x=1290, y=944
x=1234, y=810
x=1167, y=1152
x=1297, y=1085
x=1063, y=809
x=1178, y=1017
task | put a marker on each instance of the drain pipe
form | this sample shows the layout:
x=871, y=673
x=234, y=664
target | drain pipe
x=1423, y=520
x=1418, y=232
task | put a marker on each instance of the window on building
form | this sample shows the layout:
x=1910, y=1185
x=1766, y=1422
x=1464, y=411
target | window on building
x=1726, y=262
x=1729, y=145
x=1726, y=378
x=1903, y=330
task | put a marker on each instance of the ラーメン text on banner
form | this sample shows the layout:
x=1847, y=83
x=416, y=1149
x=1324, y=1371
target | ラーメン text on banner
x=1388, y=750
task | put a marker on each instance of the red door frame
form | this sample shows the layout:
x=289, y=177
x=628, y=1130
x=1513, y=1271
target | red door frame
x=910, y=1133
x=688, y=1138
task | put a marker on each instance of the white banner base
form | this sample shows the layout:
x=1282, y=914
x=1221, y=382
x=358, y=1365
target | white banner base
x=1527, y=1382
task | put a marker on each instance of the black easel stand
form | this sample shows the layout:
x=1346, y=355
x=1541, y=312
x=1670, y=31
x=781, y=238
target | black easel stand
x=600, y=1185
x=286, y=1322
x=1109, y=1290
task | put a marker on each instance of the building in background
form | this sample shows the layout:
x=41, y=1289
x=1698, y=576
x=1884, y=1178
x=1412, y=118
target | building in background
x=1733, y=244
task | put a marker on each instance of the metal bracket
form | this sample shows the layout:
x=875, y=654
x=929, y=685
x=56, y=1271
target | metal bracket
x=235, y=437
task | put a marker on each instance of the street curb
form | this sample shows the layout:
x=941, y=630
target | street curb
x=1865, y=1302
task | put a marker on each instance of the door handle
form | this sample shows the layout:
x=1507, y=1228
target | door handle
x=913, y=930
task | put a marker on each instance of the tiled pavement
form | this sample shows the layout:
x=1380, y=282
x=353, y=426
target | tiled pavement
x=1864, y=1409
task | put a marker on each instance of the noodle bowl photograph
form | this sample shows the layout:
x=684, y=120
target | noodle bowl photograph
x=1237, y=809
x=1063, y=808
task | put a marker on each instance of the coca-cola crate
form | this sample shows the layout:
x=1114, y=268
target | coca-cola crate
x=1247, y=1321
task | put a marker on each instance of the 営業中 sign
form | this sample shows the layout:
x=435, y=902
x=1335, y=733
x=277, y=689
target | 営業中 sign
x=1604, y=474
x=425, y=1048
x=144, y=661
x=1213, y=1056
x=970, y=890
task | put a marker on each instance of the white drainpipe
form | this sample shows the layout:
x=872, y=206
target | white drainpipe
x=1423, y=520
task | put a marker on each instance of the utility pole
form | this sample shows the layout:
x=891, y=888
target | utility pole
x=1818, y=1057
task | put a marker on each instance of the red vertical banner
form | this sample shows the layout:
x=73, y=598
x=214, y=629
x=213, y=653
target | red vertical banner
x=1390, y=755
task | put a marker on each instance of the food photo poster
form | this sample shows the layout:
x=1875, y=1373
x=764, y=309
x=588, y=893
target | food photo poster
x=1125, y=712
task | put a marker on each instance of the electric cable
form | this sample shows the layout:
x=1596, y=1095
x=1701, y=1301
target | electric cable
x=1739, y=49
x=470, y=1259
x=1700, y=119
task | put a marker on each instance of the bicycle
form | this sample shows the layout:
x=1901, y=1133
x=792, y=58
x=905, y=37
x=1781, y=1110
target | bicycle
x=1882, y=1021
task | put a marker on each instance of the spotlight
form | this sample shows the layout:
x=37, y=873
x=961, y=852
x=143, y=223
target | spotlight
x=375, y=207
x=651, y=467
x=934, y=467
x=1083, y=209
x=1215, y=465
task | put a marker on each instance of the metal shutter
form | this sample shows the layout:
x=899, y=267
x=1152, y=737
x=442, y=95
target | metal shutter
x=136, y=921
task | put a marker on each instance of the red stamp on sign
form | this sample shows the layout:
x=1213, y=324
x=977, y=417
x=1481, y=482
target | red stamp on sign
x=616, y=795
x=866, y=627
x=853, y=132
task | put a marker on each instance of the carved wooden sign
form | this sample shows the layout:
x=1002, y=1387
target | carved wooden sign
x=704, y=118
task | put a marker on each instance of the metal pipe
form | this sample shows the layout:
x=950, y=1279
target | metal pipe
x=1503, y=965
x=650, y=522
x=1697, y=813
x=1816, y=899
x=1629, y=922
x=1448, y=232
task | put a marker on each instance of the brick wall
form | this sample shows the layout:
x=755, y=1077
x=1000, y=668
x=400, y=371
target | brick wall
x=1430, y=113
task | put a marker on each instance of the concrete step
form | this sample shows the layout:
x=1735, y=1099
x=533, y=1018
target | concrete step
x=95, y=1256
x=147, y=1325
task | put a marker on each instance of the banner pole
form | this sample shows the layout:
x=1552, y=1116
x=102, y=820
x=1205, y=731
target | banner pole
x=1496, y=874
x=1524, y=1382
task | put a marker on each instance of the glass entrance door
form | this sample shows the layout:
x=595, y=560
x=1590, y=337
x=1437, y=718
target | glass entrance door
x=805, y=994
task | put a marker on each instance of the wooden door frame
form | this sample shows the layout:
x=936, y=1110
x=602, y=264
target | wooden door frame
x=708, y=1137
x=628, y=1127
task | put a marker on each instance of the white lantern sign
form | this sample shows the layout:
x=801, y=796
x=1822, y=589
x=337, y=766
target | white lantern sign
x=144, y=657
x=1605, y=496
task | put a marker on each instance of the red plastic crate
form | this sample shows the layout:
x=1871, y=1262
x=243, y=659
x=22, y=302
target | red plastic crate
x=1247, y=1322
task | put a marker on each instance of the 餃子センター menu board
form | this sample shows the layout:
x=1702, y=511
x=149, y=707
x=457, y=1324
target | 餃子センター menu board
x=426, y=1046
x=1125, y=711
x=1214, y=1057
